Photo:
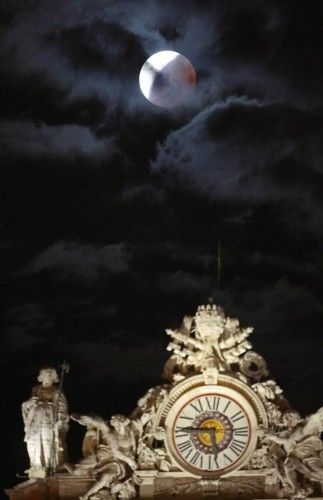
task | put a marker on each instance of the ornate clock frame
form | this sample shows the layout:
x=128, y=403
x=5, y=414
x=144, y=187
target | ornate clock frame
x=195, y=387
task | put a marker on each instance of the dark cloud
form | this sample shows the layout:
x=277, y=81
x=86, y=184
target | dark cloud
x=101, y=47
x=26, y=138
x=111, y=359
x=31, y=316
x=10, y=8
x=181, y=281
x=34, y=97
x=297, y=46
x=251, y=151
x=246, y=34
x=88, y=262
x=26, y=326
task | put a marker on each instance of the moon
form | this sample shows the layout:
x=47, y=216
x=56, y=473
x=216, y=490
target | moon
x=167, y=79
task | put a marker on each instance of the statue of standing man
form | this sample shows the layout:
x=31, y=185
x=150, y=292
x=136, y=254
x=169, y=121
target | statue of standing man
x=45, y=417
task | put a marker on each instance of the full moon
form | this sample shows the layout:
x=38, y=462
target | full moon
x=167, y=79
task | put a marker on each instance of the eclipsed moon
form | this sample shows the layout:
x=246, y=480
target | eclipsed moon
x=167, y=79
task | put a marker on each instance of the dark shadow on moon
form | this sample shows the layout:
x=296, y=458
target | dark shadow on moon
x=173, y=84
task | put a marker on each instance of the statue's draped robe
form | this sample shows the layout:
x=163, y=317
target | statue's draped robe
x=45, y=440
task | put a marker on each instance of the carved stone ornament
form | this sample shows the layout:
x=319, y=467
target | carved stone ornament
x=219, y=427
x=209, y=343
x=298, y=456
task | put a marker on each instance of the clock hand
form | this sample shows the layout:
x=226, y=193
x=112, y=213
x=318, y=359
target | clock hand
x=215, y=448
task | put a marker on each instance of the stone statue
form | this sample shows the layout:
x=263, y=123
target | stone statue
x=271, y=395
x=112, y=451
x=151, y=452
x=125, y=438
x=45, y=417
x=109, y=457
x=93, y=438
x=299, y=456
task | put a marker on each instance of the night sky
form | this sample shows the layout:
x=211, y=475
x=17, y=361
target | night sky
x=112, y=208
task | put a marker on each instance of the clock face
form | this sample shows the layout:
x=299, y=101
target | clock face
x=212, y=432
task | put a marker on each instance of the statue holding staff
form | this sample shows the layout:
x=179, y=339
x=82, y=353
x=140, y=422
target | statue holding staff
x=45, y=417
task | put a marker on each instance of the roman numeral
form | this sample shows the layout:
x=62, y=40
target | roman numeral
x=208, y=403
x=241, y=431
x=216, y=402
x=237, y=446
x=184, y=446
x=186, y=418
x=226, y=406
x=227, y=458
x=195, y=458
x=210, y=465
x=199, y=402
x=237, y=416
x=181, y=434
x=199, y=407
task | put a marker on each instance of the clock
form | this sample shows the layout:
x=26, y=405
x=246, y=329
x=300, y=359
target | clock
x=213, y=429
